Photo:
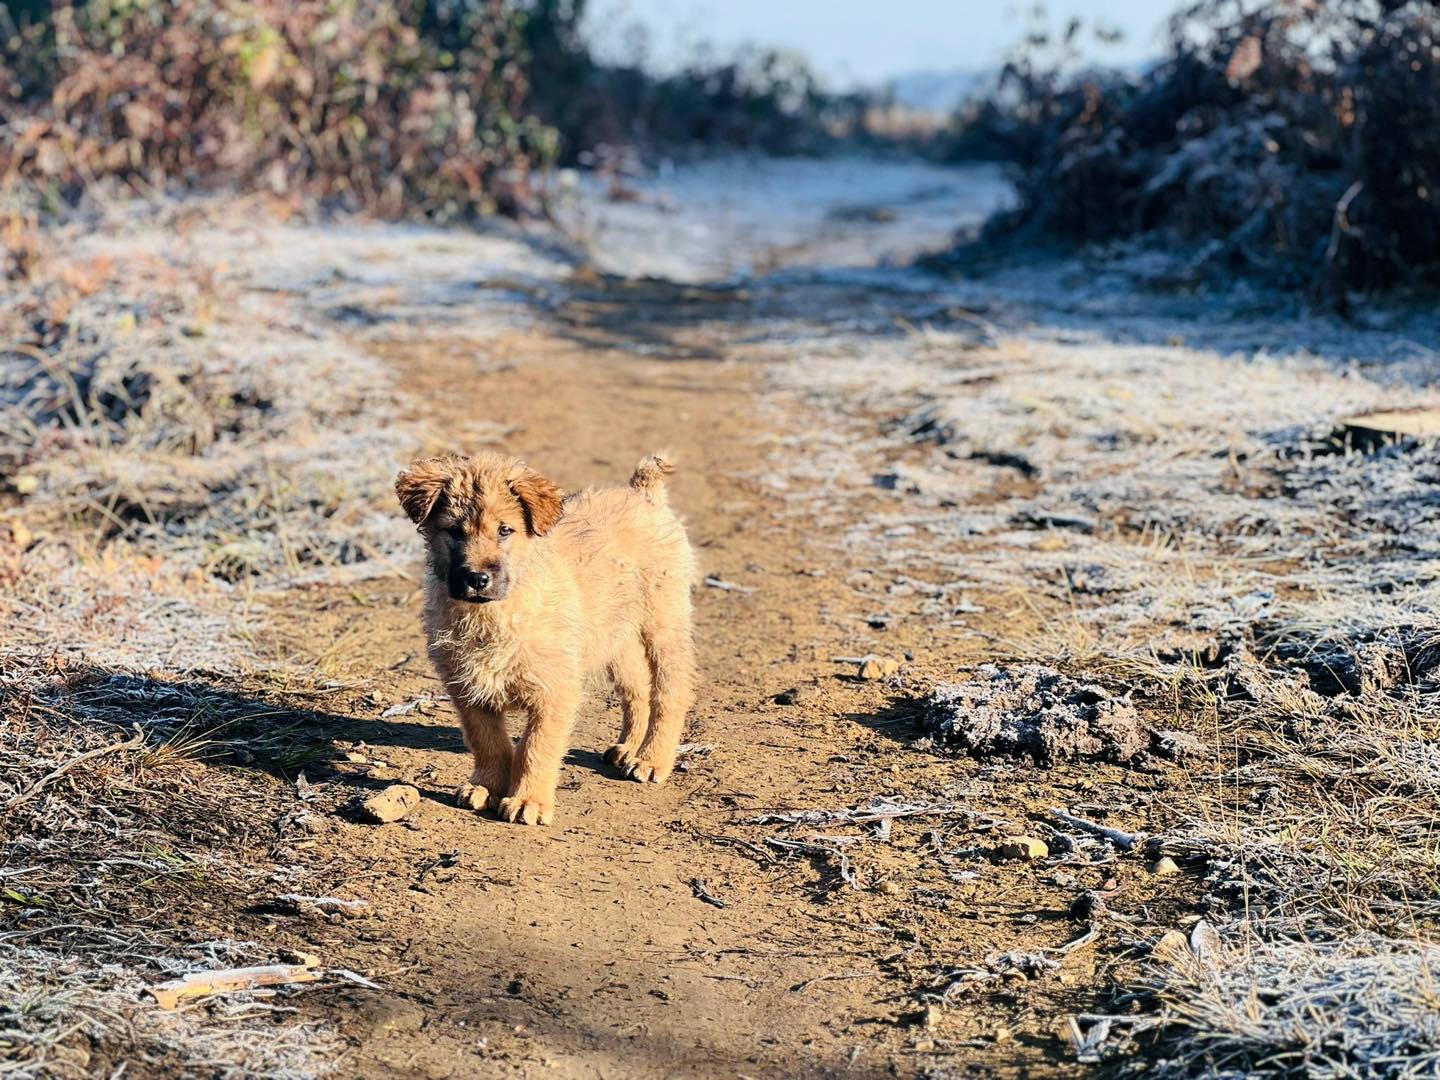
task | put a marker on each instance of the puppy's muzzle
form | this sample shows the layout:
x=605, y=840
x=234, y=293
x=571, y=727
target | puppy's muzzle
x=477, y=586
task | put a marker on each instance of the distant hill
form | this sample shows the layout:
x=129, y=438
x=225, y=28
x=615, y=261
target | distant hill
x=939, y=92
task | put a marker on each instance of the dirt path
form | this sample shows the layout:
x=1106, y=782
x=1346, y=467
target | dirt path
x=590, y=948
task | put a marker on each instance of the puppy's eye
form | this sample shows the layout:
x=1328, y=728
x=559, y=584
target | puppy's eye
x=504, y=531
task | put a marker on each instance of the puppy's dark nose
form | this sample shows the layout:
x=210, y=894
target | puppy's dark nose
x=478, y=580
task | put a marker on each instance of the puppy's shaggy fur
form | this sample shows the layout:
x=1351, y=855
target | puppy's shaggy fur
x=527, y=592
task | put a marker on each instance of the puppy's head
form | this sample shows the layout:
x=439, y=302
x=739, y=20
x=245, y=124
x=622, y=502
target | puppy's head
x=477, y=514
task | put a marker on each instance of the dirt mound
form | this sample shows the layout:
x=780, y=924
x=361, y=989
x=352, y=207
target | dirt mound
x=1035, y=712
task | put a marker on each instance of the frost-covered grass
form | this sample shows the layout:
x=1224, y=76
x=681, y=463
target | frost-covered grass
x=194, y=418
x=1172, y=520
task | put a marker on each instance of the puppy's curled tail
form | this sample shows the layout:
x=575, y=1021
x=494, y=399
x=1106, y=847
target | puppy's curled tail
x=649, y=478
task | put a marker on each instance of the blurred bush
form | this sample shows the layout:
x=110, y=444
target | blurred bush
x=764, y=100
x=438, y=108
x=386, y=107
x=1293, y=139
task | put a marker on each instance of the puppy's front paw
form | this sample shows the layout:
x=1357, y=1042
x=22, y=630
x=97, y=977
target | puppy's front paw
x=527, y=810
x=622, y=755
x=649, y=770
x=477, y=797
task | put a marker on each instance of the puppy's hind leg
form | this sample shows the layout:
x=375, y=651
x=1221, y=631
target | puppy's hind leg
x=671, y=651
x=630, y=672
x=493, y=752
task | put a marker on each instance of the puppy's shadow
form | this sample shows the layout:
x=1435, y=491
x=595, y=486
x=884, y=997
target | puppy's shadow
x=236, y=725
x=595, y=762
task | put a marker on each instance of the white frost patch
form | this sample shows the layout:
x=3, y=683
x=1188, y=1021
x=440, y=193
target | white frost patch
x=732, y=217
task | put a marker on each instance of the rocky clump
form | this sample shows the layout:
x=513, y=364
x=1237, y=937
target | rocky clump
x=1035, y=712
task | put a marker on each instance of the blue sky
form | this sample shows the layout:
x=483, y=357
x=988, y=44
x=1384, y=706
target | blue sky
x=868, y=41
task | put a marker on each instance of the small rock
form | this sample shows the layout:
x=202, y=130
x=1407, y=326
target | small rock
x=392, y=804
x=887, y=888
x=1022, y=849
x=1179, y=746
x=26, y=484
x=878, y=667
x=933, y=1016
x=1000, y=1035
x=1163, y=866
x=21, y=535
x=1089, y=906
x=308, y=823
x=794, y=696
x=1172, y=949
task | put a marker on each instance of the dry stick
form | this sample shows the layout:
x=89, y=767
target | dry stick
x=168, y=995
x=800, y=986
x=1123, y=840
x=348, y=908
x=847, y=872
x=727, y=586
x=701, y=888
x=89, y=755
x=869, y=815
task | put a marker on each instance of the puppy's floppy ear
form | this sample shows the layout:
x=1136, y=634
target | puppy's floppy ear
x=419, y=487
x=540, y=499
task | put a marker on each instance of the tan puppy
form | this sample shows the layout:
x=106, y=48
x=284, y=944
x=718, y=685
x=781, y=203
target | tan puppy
x=527, y=593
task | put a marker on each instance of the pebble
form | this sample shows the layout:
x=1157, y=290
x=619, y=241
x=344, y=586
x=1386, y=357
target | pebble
x=1163, y=866
x=1022, y=849
x=392, y=804
x=879, y=667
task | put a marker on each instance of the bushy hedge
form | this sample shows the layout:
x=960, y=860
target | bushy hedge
x=1293, y=139
x=386, y=107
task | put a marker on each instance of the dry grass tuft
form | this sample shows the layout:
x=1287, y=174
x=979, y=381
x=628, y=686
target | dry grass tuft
x=109, y=834
x=174, y=411
x=172, y=444
x=1363, y=1006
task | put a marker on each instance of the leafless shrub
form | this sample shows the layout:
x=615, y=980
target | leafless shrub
x=1294, y=140
x=356, y=104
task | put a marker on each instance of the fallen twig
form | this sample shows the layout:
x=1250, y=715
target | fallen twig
x=800, y=986
x=90, y=755
x=831, y=851
x=405, y=707
x=727, y=586
x=350, y=909
x=1122, y=840
x=168, y=995
x=702, y=892
x=879, y=810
